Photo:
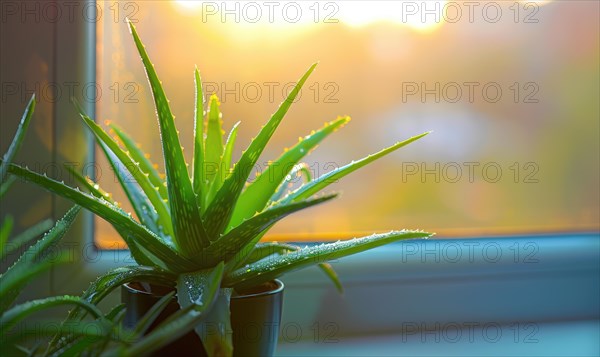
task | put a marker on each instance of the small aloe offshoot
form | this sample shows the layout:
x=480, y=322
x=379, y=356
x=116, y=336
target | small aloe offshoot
x=35, y=259
x=199, y=231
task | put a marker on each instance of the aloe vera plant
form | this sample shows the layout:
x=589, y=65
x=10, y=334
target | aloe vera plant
x=199, y=231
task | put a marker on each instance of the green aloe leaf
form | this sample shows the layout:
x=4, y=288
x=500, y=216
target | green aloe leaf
x=196, y=294
x=241, y=256
x=224, y=168
x=94, y=329
x=200, y=185
x=200, y=287
x=88, y=334
x=121, y=158
x=116, y=313
x=262, y=271
x=318, y=184
x=86, y=341
x=18, y=138
x=143, y=209
x=25, y=237
x=19, y=312
x=115, y=316
x=143, y=159
x=263, y=250
x=170, y=330
x=257, y=194
x=129, y=228
x=214, y=148
x=90, y=185
x=228, y=154
x=13, y=283
x=91, y=338
x=7, y=226
x=33, y=261
x=220, y=210
x=6, y=184
x=301, y=170
x=140, y=256
x=246, y=235
x=106, y=283
x=332, y=275
x=148, y=319
x=215, y=328
x=190, y=234
x=103, y=286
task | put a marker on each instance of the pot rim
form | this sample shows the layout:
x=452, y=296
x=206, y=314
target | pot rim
x=278, y=289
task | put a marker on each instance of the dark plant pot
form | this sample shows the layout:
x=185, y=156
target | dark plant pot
x=255, y=319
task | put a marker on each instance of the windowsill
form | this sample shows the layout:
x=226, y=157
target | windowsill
x=504, y=281
x=575, y=338
x=388, y=289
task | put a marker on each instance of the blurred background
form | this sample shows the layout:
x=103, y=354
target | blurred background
x=510, y=90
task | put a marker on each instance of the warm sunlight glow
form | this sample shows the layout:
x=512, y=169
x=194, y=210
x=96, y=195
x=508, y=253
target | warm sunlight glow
x=420, y=16
x=423, y=16
x=189, y=4
x=537, y=2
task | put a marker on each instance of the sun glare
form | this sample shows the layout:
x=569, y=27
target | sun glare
x=537, y=2
x=189, y=4
x=420, y=16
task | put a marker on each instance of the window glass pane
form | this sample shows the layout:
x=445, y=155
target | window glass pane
x=510, y=90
